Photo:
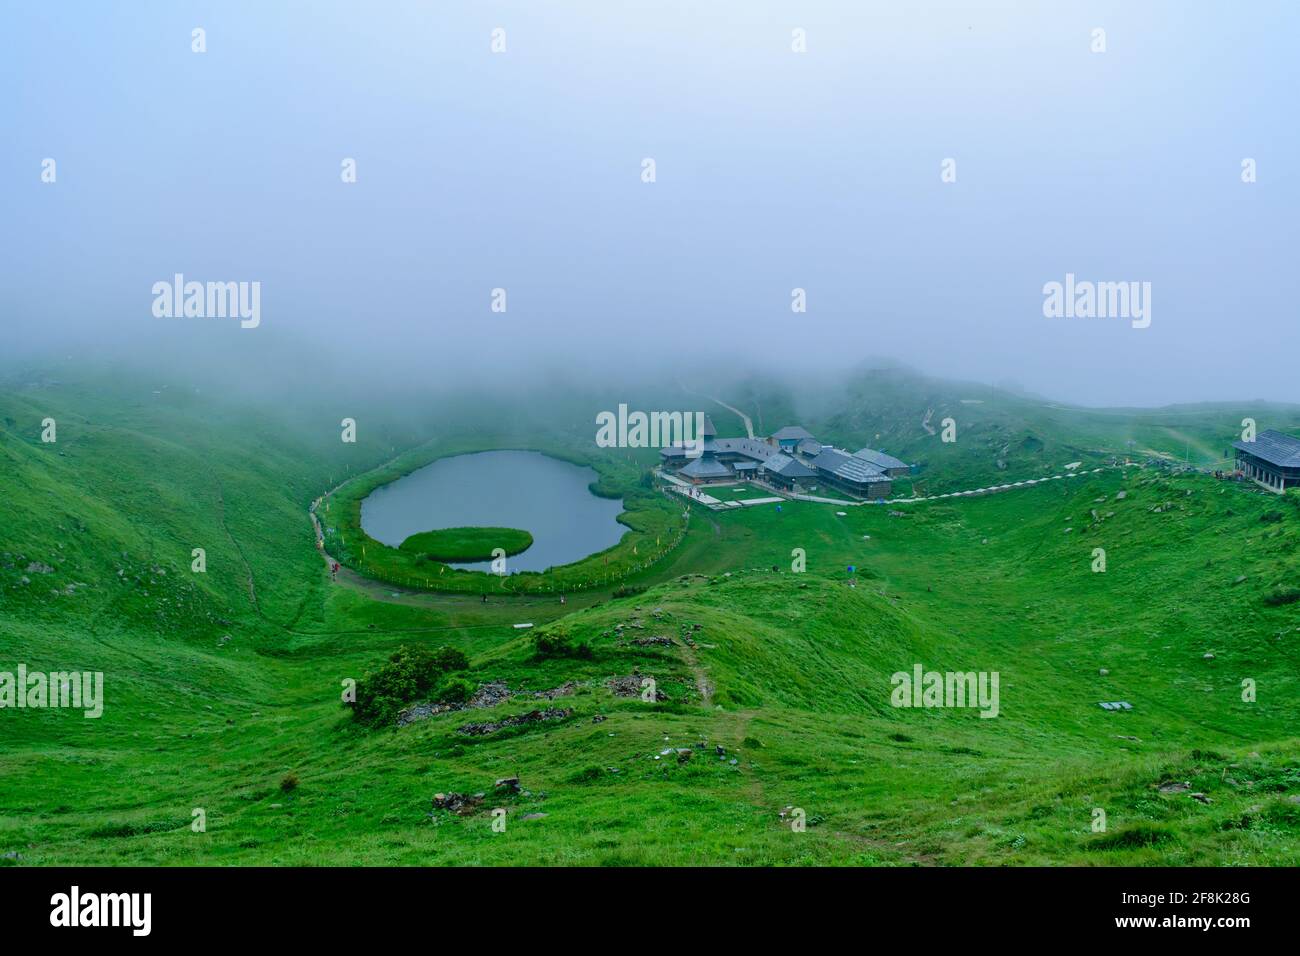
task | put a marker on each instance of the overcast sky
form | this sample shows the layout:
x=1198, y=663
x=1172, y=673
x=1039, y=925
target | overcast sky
x=774, y=170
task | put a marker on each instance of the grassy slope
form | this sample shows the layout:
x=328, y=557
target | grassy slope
x=1001, y=434
x=797, y=667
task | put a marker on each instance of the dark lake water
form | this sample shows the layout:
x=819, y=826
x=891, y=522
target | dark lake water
x=500, y=489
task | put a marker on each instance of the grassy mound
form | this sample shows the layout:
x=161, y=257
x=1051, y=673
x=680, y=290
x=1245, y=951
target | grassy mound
x=467, y=544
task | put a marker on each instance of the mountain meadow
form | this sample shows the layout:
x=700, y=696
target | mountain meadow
x=696, y=694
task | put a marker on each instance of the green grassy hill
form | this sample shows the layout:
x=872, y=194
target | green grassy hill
x=221, y=685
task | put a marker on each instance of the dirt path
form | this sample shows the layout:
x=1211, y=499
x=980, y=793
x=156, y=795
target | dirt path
x=702, y=682
x=749, y=425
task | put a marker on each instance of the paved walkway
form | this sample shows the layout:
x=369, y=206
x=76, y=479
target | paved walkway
x=692, y=494
x=992, y=489
x=717, y=505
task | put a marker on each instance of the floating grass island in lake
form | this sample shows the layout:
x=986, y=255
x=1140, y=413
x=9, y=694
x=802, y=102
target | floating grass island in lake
x=467, y=544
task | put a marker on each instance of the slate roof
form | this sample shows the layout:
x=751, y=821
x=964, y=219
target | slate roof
x=809, y=447
x=859, y=471
x=830, y=459
x=879, y=458
x=709, y=430
x=1276, y=448
x=706, y=468
x=792, y=433
x=749, y=447
x=787, y=467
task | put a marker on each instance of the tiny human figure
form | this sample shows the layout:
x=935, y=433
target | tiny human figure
x=484, y=598
x=561, y=598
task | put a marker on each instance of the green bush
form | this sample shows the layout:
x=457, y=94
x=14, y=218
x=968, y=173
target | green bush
x=1279, y=596
x=455, y=690
x=556, y=641
x=410, y=674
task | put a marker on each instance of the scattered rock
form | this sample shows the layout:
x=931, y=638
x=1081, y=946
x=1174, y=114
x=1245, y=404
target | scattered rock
x=532, y=816
x=532, y=717
x=1174, y=786
x=423, y=711
x=599, y=718
x=489, y=694
x=630, y=686
x=508, y=783
x=1207, y=656
x=567, y=689
x=459, y=803
x=1201, y=797
x=657, y=641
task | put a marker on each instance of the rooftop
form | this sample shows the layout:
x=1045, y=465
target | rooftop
x=787, y=467
x=1274, y=447
x=857, y=469
x=879, y=458
x=792, y=433
x=706, y=468
x=749, y=447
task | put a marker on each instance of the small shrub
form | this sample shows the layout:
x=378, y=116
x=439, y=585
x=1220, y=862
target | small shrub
x=1131, y=838
x=1271, y=517
x=289, y=783
x=1280, y=596
x=455, y=690
x=410, y=674
x=558, y=642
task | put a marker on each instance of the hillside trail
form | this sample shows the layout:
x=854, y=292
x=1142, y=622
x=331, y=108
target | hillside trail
x=700, y=676
x=749, y=424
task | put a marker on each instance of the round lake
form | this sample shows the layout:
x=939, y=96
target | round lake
x=544, y=496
